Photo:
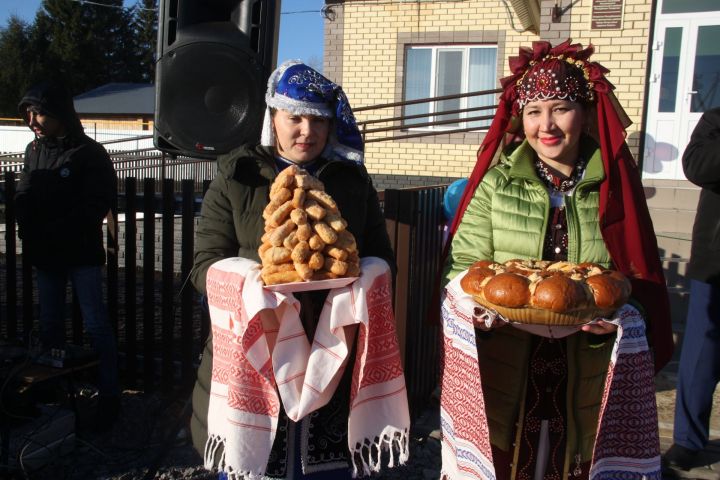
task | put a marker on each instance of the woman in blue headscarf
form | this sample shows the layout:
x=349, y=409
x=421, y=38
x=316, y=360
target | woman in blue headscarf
x=308, y=123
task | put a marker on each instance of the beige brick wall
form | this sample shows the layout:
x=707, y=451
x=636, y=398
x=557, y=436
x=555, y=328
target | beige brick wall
x=364, y=49
x=624, y=52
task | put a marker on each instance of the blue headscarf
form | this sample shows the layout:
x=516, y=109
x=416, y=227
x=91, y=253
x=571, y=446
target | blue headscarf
x=301, y=90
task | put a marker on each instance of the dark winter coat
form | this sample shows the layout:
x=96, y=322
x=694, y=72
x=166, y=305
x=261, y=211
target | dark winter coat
x=231, y=225
x=231, y=222
x=701, y=163
x=66, y=189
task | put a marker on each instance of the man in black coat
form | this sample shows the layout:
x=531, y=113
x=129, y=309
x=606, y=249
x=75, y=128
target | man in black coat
x=699, y=370
x=66, y=189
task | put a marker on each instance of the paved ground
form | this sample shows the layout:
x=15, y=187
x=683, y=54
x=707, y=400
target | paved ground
x=151, y=442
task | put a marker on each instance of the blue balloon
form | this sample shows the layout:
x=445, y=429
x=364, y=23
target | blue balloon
x=452, y=197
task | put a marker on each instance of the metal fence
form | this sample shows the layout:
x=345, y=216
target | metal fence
x=380, y=127
x=157, y=318
x=133, y=156
x=161, y=327
x=415, y=224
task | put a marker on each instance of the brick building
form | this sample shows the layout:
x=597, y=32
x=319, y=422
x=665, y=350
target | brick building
x=664, y=58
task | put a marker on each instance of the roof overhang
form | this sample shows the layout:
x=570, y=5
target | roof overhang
x=528, y=11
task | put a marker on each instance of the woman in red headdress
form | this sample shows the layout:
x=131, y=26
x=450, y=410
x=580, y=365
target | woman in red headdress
x=554, y=408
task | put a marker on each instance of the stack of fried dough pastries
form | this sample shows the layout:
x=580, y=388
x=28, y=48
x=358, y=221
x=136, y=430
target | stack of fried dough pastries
x=305, y=235
x=544, y=292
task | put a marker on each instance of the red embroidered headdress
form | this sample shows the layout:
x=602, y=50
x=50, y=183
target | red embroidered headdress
x=564, y=71
x=546, y=72
x=555, y=77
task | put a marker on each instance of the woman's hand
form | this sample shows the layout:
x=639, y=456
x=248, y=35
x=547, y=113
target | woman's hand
x=486, y=320
x=599, y=327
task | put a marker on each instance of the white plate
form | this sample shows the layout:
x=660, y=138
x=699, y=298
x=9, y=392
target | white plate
x=294, y=287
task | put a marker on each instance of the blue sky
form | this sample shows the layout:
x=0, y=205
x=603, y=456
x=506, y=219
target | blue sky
x=301, y=25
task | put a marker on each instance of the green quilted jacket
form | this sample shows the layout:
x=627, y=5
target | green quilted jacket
x=507, y=218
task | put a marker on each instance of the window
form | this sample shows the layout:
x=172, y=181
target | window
x=706, y=77
x=689, y=6
x=670, y=69
x=433, y=71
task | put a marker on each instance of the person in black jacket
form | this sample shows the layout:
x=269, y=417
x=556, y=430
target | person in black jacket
x=699, y=370
x=66, y=189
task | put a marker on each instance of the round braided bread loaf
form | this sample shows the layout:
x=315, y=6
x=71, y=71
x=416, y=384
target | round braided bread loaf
x=545, y=292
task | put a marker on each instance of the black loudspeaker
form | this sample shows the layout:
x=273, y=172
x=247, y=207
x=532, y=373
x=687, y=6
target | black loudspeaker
x=214, y=58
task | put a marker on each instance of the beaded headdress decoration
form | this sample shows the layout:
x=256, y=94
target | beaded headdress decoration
x=301, y=90
x=544, y=72
x=561, y=77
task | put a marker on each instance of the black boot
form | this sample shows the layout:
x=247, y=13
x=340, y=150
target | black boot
x=679, y=458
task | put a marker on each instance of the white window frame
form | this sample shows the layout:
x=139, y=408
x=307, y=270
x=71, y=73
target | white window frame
x=465, y=49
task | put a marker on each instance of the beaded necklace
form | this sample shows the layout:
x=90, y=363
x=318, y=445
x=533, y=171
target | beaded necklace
x=559, y=182
x=555, y=245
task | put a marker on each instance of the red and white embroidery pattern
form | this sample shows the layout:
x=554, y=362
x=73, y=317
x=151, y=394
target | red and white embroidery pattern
x=261, y=355
x=627, y=442
x=248, y=390
x=466, y=449
x=381, y=360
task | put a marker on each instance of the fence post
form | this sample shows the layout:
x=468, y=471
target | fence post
x=27, y=295
x=131, y=330
x=414, y=225
x=426, y=267
x=400, y=240
x=148, y=283
x=168, y=276
x=113, y=243
x=11, y=257
x=204, y=314
x=187, y=291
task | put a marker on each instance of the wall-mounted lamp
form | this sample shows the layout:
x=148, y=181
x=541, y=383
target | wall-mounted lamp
x=558, y=11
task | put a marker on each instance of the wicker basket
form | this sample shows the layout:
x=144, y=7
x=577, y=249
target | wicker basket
x=539, y=316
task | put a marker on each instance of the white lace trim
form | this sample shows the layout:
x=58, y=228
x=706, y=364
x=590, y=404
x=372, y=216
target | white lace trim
x=299, y=107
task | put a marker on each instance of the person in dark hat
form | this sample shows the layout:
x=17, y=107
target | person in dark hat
x=66, y=189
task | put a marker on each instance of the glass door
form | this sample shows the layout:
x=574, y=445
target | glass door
x=684, y=82
x=706, y=70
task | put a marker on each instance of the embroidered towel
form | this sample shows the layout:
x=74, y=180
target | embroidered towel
x=261, y=356
x=627, y=443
